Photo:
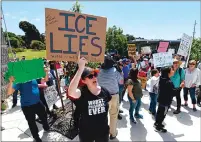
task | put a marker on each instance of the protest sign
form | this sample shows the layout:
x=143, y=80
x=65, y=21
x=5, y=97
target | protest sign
x=143, y=81
x=146, y=50
x=26, y=70
x=60, y=71
x=69, y=32
x=50, y=94
x=162, y=59
x=185, y=45
x=171, y=51
x=163, y=46
x=131, y=50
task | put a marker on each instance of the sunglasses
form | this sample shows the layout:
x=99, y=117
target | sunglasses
x=192, y=64
x=91, y=76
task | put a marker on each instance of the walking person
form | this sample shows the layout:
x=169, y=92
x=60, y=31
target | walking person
x=93, y=102
x=31, y=104
x=110, y=79
x=165, y=96
x=153, y=91
x=192, y=80
x=177, y=79
x=134, y=94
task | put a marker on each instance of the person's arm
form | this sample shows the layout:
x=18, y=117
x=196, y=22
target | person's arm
x=197, y=83
x=120, y=77
x=46, y=79
x=10, y=89
x=72, y=90
x=130, y=93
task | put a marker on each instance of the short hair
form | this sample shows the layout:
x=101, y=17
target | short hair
x=153, y=72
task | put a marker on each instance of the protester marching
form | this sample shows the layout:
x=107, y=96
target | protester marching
x=93, y=85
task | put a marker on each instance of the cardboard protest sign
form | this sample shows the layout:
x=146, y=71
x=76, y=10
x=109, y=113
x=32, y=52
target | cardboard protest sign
x=163, y=46
x=60, y=71
x=146, y=50
x=185, y=45
x=131, y=50
x=171, y=51
x=143, y=81
x=50, y=94
x=162, y=59
x=26, y=70
x=69, y=32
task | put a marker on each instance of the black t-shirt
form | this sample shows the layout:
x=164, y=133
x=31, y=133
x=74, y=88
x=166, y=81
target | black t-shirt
x=94, y=112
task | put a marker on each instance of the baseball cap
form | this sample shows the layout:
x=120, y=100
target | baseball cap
x=87, y=71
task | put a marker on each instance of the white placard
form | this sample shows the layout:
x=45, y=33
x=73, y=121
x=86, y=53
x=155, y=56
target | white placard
x=162, y=59
x=185, y=45
x=146, y=50
x=171, y=51
x=51, y=95
x=60, y=71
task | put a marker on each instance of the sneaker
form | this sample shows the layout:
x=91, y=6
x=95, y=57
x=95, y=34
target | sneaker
x=176, y=111
x=113, y=137
x=159, y=129
x=119, y=117
x=120, y=111
x=194, y=109
x=139, y=116
x=199, y=105
x=156, y=125
x=185, y=105
x=133, y=120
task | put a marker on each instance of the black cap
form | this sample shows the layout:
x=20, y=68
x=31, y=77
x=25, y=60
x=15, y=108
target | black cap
x=86, y=72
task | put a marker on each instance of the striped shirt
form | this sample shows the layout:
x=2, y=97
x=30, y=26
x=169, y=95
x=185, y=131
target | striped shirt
x=110, y=79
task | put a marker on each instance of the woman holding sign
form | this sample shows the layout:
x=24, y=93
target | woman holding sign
x=93, y=103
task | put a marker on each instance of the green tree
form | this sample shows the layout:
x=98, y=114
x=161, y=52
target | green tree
x=76, y=7
x=130, y=37
x=37, y=45
x=116, y=40
x=196, y=49
x=15, y=43
x=31, y=32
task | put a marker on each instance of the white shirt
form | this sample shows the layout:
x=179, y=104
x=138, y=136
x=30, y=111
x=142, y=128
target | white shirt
x=150, y=84
x=192, y=77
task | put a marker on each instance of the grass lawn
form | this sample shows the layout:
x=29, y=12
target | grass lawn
x=30, y=54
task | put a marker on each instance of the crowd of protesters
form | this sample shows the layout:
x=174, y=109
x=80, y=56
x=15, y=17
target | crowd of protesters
x=99, y=92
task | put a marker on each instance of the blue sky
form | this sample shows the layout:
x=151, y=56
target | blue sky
x=151, y=20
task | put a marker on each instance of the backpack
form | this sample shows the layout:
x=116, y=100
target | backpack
x=156, y=88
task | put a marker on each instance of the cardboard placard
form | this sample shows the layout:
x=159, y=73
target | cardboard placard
x=143, y=81
x=131, y=50
x=185, y=45
x=163, y=46
x=171, y=51
x=50, y=94
x=69, y=32
x=162, y=59
x=146, y=50
x=26, y=70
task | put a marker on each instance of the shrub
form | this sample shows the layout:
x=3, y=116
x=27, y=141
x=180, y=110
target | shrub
x=15, y=43
x=16, y=50
x=37, y=45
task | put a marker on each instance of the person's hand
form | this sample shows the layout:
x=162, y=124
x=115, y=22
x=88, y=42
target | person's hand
x=11, y=79
x=182, y=85
x=81, y=62
x=134, y=101
x=193, y=86
x=46, y=70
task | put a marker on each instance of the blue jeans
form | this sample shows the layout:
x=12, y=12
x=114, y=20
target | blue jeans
x=153, y=102
x=15, y=97
x=133, y=106
x=121, y=88
x=192, y=94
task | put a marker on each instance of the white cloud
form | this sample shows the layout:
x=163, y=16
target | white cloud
x=23, y=19
x=35, y=19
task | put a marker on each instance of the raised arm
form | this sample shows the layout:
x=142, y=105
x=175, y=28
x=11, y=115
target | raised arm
x=72, y=90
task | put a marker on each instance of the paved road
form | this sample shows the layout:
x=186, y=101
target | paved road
x=182, y=127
